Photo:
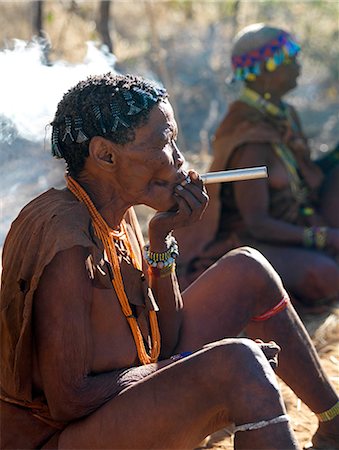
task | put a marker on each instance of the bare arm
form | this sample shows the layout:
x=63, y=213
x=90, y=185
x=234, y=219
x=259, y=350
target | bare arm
x=192, y=201
x=63, y=339
x=252, y=199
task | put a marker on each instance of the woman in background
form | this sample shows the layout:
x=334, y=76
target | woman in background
x=291, y=217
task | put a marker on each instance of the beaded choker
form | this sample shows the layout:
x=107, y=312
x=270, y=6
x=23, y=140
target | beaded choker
x=252, y=98
x=298, y=187
x=106, y=236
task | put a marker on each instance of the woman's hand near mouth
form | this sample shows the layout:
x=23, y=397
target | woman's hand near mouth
x=191, y=201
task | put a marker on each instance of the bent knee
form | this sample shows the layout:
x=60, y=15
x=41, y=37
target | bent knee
x=260, y=274
x=244, y=361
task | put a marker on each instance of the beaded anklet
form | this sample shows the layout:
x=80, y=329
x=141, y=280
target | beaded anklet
x=329, y=414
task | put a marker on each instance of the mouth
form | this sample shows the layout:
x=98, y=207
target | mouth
x=183, y=179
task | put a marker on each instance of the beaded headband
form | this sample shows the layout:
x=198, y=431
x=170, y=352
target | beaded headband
x=73, y=128
x=274, y=53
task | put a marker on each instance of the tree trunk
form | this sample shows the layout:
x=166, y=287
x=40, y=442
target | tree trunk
x=158, y=55
x=37, y=8
x=103, y=24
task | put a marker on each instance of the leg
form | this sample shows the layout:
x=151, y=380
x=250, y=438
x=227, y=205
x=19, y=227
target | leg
x=310, y=275
x=299, y=366
x=330, y=198
x=215, y=385
x=226, y=300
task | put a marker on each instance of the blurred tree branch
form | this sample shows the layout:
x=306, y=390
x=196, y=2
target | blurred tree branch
x=103, y=23
x=37, y=9
x=158, y=55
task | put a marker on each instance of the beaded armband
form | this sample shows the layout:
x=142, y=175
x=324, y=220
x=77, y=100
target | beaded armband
x=162, y=264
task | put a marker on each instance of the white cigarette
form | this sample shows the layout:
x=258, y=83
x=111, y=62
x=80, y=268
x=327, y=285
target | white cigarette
x=250, y=173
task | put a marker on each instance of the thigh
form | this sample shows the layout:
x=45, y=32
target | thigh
x=158, y=412
x=330, y=198
x=225, y=297
x=307, y=273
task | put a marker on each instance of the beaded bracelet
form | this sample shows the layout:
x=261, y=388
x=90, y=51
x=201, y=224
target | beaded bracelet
x=315, y=237
x=162, y=273
x=320, y=237
x=308, y=237
x=162, y=264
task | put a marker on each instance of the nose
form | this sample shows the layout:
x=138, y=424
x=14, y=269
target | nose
x=178, y=156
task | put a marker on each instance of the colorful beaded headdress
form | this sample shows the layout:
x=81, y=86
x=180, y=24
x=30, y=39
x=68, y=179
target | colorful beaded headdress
x=274, y=53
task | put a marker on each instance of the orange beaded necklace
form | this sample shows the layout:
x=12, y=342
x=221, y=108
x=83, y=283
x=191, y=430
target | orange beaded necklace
x=106, y=236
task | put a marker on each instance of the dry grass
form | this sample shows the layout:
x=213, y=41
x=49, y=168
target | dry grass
x=324, y=330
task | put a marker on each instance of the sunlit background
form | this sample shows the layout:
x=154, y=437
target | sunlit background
x=185, y=45
x=46, y=47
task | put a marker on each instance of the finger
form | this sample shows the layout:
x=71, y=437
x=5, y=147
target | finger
x=194, y=197
x=275, y=345
x=184, y=207
x=197, y=190
x=272, y=344
x=186, y=181
x=273, y=363
x=184, y=215
x=195, y=177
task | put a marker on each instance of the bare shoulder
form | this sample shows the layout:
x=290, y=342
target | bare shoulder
x=68, y=267
x=254, y=153
x=62, y=299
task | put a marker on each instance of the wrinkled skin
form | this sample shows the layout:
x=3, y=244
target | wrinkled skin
x=82, y=337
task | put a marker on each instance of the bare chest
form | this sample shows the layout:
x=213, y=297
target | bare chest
x=279, y=176
x=112, y=341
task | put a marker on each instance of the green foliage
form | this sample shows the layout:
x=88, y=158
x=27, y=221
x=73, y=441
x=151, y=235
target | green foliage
x=49, y=17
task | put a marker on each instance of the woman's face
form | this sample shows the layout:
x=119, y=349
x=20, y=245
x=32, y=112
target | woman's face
x=284, y=77
x=150, y=167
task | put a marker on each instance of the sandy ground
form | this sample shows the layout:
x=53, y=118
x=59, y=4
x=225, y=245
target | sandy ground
x=324, y=330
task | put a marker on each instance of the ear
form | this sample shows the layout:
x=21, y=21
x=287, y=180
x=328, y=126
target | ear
x=102, y=152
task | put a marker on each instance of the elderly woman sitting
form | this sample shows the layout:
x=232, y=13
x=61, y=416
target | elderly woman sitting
x=99, y=348
x=291, y=217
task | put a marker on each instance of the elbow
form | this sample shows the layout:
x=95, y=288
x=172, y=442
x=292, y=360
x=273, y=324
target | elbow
x=64, y=412
x=68, y=407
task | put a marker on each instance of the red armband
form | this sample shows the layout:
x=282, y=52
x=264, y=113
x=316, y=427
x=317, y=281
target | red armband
x=272, y=312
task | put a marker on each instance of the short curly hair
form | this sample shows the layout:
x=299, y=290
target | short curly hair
x=108, y=105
